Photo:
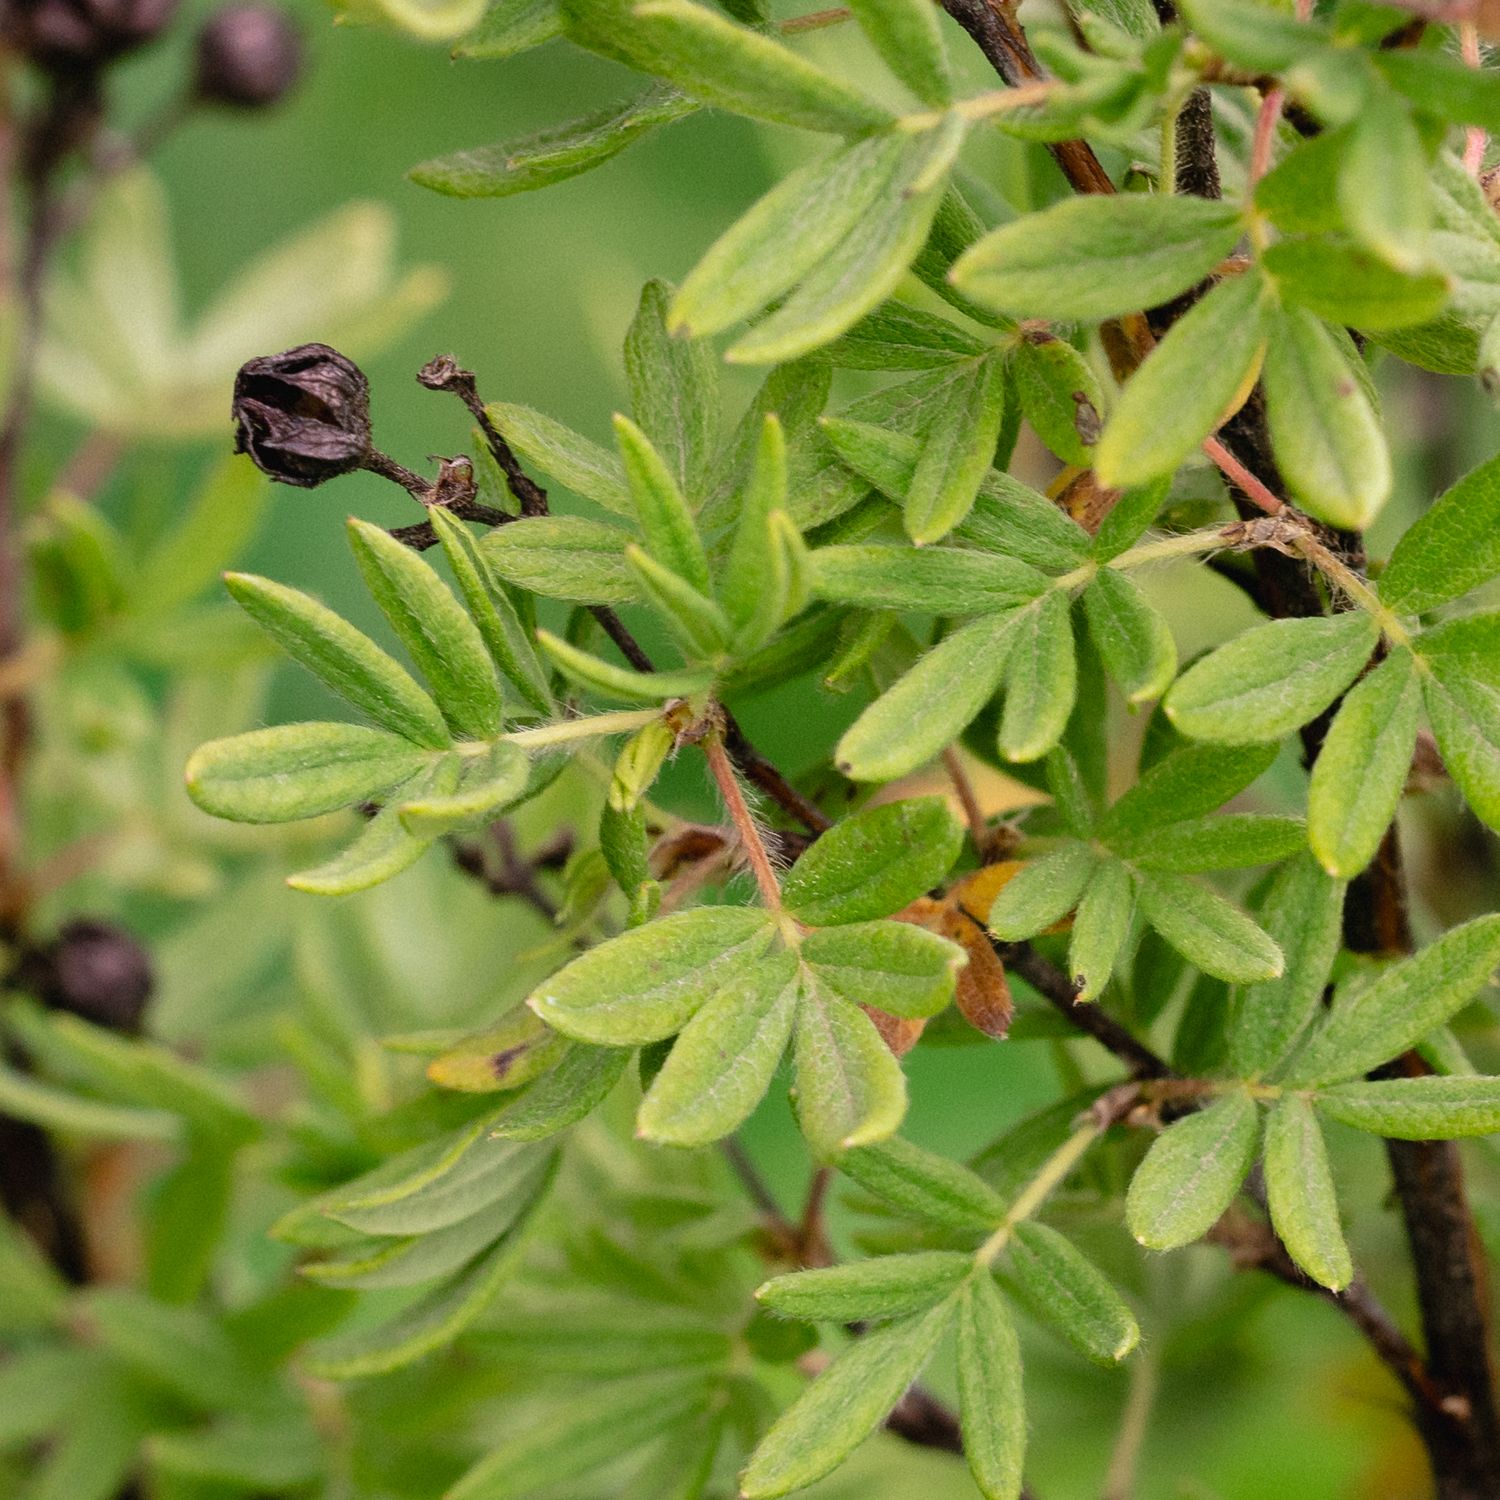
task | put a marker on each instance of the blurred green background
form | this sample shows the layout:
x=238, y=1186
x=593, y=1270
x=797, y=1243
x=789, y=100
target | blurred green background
x=1251, y=1391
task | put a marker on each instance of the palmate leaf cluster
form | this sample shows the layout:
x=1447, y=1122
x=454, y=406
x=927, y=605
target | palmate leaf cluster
x=854, y=528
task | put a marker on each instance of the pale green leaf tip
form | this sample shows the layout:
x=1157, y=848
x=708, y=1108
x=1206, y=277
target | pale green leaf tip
x=1128, y=1344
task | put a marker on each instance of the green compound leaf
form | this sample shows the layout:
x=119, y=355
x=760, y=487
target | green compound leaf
x=1361, y=771
x=1272, y=679
x=1135, y=643
x=563, y=557
x=1060, y=1286
x=554, y=154
x=1192, y=1172
x=1091, y=258
x=343, y=658
x=873, y=863
x=443, y=641
x=824, y=1425
x=1453, y=548
x=957, y=452
x=744, y=71
x=299, y=771
x=893, y=966
x=933, y=580
x=1042, y=892
x=850, y=1090
x=1041, y=679
x=1416, y=1109
x=485, y=598
x=1303, y=914
x=1100, y=927
x=1328, y=441
x=1202, y=926
x=992, y=1407
x=723, y=1060
x=647, y=984
x=1380, y=1020
x=1301, y=1194
x=925, y=1186
x=1187, y=385
x=893, y=1286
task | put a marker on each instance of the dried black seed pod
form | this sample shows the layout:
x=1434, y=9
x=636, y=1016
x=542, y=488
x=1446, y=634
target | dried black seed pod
x=92, y=969
x=248, y=56
x=81, y=35
x=303, y=416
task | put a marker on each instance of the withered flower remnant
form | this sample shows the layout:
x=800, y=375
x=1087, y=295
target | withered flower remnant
x=303, y=416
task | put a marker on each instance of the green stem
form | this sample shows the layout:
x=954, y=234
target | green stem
x=1054, y=1170
x=621, y=721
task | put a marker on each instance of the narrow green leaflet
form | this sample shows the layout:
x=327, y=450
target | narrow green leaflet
x=1301, y=1195
x=1380, y=1020
x=507, y=640
x=892, y=1286
x=906, y=34
x=554, y=154
x=752, y=556
x=746, y=72
x=1062, y=1287
x=900, y=336
x=488, y=782
x=1060, y=395
x=1100, y=927
x=1192, y=1172
x=563, y=557
x=957, y=452
x=648, y=982
x=1461, y=692
x=933, y=580
x=699, y=624
x=1135, y=643
x=611, y=681
x=299, y=771
x=382, y=851
x=442, y=639
x=1230, y=841
x=24, y=1098
x=573, y=1089
x=1328, y=441
x=893, y=966
x=868, y=262
x=344, y=658
x=850, y=1090
x=1303, y=914
x=507, y=1055
x=843, y=1405
x=1187, y=783
x=873, y=862
x=1089, y=258
x=1188, y=384
x=573, y=460
x=992, y=1406
x=663, y=513
x=1041, y=678
x=674, y=392
x=1346, y=284
x=786, y=235
x=1361, y=771
x=213, y=532
x=1416, y=1109
x=511, y=27
x=1271, y=679
x=1202, y=926
x=1453, y=548
x=1382, y=183
x=1042, y=892
x=927, y=1186
x=724, y=1058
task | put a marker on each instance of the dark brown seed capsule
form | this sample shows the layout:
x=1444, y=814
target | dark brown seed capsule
x=303, y=416
x=81, y=35
x=248, y=56
x=93, y=969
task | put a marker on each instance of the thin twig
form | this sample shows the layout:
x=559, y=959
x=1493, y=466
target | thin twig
x=739, y=814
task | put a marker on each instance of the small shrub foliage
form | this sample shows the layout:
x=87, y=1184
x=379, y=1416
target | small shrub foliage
x=1234, y=216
